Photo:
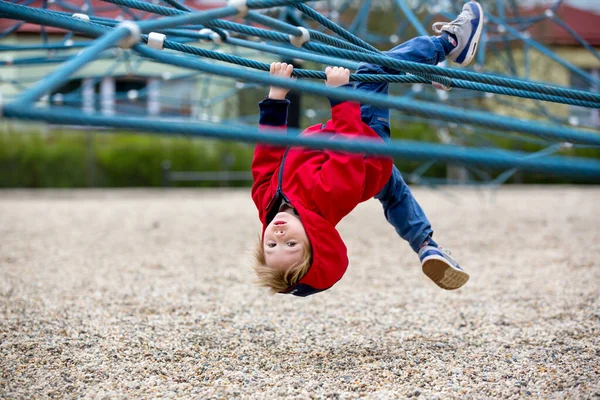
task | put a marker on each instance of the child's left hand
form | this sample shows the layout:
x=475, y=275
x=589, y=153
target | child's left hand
x=337, y=76
x=281, y=70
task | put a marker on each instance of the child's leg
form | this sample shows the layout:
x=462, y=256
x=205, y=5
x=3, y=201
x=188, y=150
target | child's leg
x=423, y=49
x=459, y=42
x=404, y=213
x=399, y=206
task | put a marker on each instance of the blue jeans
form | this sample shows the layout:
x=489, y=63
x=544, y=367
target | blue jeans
x=400, y=207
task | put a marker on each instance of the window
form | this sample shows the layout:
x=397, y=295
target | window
x=130, y=95
x=176, y=97
x=111, y=95
x=581, y=115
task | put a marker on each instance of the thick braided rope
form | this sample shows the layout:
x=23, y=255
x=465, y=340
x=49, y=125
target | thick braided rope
x=394, y=78
x=594, y=173
x=411, y=106
x=479, y=118
x=331, y=41
x=469, y=86
x=464, y=75
x=551, y=96
x=431, y=77
x=561, y=166
x=300, y=73
x=338, y=30
x=70, y=23
x=424, y=70
x=203, y=16
x=521, y=93
x=303, y=73
x=428, y=76
x=43, y=17
x=276, y=36
x=474, y=77
x=273, y=23
x=177, y=5
x=247, y=30
x=293, y=30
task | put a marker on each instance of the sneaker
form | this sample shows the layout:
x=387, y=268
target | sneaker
x=441, y=268
x=467, y=29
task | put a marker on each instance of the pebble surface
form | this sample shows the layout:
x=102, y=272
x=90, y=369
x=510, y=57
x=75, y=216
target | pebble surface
x=148, y=294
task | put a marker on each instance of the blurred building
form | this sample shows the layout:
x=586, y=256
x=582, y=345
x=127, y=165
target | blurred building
x=116, y=82
x=571, y=34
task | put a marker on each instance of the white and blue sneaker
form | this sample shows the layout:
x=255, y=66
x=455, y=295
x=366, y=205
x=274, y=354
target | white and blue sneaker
x=441, y=268
x=466, y=28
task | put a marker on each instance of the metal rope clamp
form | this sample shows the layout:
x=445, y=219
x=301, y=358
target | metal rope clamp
x=135, y=34
x=240, y=5
x=214, y=36
x=82, y=17
x=298, y=41
x=156, y=40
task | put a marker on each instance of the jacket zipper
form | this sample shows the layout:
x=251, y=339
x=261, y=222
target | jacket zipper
x=279, y=191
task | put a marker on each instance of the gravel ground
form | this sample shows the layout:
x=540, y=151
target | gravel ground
x=148, y=294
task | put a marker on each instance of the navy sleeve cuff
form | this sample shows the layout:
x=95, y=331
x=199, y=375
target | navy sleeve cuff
x=335, y=102
x=273, y=112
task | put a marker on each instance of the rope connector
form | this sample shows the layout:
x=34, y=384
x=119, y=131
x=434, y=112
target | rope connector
x=566, y=145
x=135, y=34
x=214, y=36
x=549, y=13
x=240, y=5
x=156, y=40
x=298, y=41
x=82, y=17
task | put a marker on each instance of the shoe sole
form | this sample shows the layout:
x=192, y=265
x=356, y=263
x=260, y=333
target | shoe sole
x=446, y=277
x=475, y=41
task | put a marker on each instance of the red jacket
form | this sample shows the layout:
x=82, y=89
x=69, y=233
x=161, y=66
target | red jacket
x=322, y=185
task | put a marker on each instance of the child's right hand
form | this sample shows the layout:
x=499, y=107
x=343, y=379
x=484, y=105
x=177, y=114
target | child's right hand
x=281, y=70
x=337, y=76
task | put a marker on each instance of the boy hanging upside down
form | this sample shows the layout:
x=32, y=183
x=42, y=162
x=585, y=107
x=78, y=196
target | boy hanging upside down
x=302, y=194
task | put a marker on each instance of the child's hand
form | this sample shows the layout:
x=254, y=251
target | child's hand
x=281, y=70
x=337, y=76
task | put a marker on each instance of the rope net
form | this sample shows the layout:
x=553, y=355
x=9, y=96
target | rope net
x=185, y=62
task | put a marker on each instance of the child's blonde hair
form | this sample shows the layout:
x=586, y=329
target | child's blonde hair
x=278, y=280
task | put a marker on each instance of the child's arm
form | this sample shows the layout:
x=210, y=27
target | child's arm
x=273, y=116
x=346, y=179
x=281, y=70
x=345, y=115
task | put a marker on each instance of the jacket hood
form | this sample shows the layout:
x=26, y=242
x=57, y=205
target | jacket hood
x=329, y=255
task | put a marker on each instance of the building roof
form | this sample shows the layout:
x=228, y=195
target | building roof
x=98, y=9
x=585, y=22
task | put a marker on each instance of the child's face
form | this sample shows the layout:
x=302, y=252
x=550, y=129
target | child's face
x=285, y=241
